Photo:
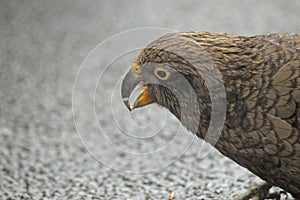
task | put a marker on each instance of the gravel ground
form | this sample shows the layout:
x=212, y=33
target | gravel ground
x=42, y=156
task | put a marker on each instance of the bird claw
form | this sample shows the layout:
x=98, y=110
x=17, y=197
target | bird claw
x=277, y=195
x=260, y=192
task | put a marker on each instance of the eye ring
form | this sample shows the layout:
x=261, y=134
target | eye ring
x=162, y=73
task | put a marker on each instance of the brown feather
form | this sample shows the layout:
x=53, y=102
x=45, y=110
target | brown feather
x=262, y=82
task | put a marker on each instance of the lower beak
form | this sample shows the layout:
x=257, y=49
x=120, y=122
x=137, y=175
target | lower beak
x=130, y=81
x=143, y=99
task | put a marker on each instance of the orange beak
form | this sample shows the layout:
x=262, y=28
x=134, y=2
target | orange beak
x=143, y=99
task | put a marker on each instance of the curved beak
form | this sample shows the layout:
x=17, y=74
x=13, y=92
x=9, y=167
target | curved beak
x=130, y=81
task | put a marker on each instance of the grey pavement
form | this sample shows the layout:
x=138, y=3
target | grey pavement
x=42, y=156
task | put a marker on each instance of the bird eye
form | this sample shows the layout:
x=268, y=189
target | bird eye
x=162, y=73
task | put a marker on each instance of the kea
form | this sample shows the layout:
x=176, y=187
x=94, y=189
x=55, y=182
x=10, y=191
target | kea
x=241, y=94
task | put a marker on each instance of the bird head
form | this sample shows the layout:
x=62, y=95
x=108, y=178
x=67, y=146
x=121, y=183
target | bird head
x=178, y=72
x=162, y=74
x=159, y=82
x=166, y=72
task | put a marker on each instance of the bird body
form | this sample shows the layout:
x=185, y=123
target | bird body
x=261, y=79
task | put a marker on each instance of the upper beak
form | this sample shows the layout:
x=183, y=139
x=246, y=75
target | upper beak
x=131, y=80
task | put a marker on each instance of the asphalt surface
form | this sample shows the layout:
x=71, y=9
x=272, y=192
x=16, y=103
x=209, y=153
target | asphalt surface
x=98, y=150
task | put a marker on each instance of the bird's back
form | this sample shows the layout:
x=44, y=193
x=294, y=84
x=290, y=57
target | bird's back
x=261, y=131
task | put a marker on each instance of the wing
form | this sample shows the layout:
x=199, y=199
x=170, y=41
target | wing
x=266, y=138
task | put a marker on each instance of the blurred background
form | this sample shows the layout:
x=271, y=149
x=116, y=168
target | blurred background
x=44, y=43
